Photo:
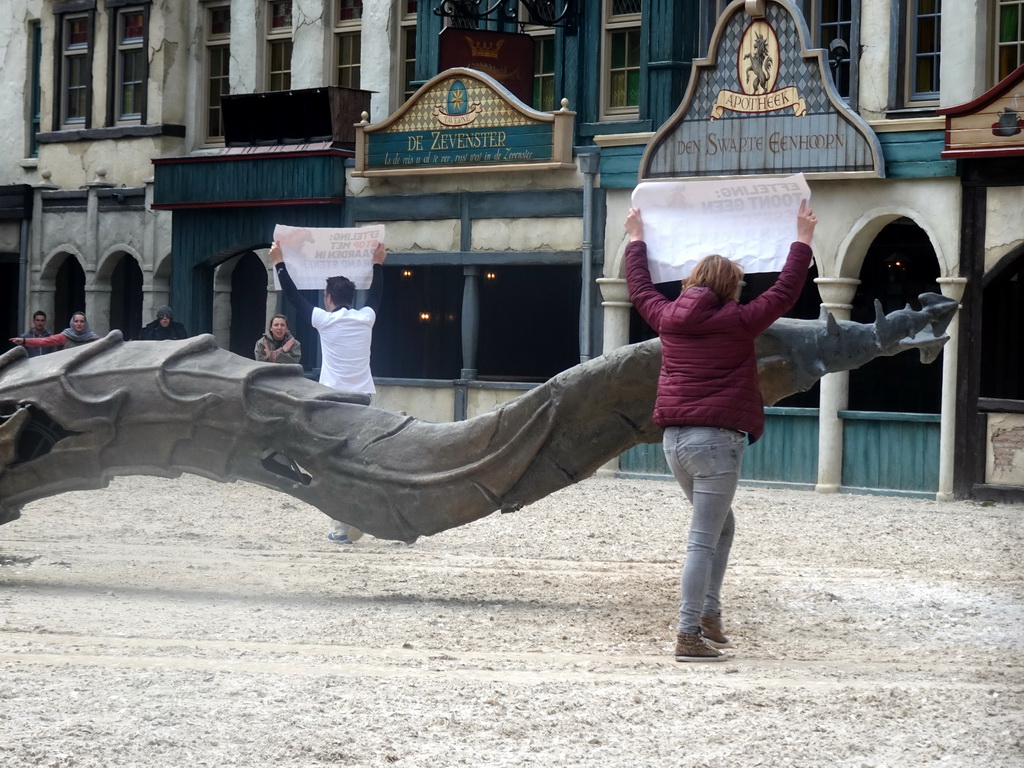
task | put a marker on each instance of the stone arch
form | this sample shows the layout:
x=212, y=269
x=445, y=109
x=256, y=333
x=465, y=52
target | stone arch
x=108, y=262
x=55, y=259
x=50, y=296
x=223, y=273
x=862, y=234
x=119, y=277
x=894, y=259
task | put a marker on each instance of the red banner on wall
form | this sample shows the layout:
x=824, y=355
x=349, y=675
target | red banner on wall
x=507, y=57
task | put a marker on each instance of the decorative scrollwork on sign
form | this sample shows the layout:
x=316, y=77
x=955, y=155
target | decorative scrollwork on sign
x=467, y=14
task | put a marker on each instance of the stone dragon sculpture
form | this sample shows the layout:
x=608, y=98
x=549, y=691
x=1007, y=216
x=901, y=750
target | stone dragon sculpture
x=74, y=419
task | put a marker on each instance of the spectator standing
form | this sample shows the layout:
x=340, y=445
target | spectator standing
x=164, y=328
x=277, y=345
x=74, y=335
x=38, y=331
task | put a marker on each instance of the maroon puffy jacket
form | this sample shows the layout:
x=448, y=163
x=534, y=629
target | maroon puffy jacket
x=708, y=365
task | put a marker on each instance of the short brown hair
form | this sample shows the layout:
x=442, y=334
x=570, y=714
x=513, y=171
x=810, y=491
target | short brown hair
x=342, y=291
x=717, y=273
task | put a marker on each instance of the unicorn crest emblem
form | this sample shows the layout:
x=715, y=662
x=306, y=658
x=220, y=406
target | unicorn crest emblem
x=760, y=65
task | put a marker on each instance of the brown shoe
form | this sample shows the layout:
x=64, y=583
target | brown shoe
x=693, y=648
x=711, y=631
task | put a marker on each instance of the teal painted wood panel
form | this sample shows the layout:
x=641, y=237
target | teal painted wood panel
x=788, y=451
x=250, y=180
x=619, y=166
x=915, y=155
x=645, y=459
x=891, y=454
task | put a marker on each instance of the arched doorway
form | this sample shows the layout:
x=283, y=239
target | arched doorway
x=248, y=303
x=899, y=265
x=126, y=297
x=68, y=292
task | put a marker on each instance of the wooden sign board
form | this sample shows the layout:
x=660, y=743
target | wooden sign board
x=463, y=121
x=990, y=126
x=762, y=103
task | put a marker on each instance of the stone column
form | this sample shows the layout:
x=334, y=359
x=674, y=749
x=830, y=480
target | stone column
x=953, y=288
x=97, y=297
x=470, y=321
x=615, y=302
x=616, y=305
x=836, y=294
x=39, y=293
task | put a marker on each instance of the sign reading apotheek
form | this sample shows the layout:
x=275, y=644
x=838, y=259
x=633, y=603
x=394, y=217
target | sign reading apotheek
x=464, y=121
x=762, y=104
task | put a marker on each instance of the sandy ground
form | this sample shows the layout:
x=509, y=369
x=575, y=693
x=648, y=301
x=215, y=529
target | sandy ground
x=191, y=623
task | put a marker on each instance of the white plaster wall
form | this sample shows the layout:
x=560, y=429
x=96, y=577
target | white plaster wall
x=965, y=63
x=422, y=235
x=15, y=59
x=63, y=232
x=168, y=93
x=424, y=403
x=246, y=45
x=121, y=231
x=555, y=234
x=127, y=162
x=875, y=50
x=485, y=400
x=1004, y=222
x=311, y=50
x=379, y=35
x=471, y=181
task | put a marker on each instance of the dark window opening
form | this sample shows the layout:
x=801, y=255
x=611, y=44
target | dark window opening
x=899, y=266
x=126, y=298
x=10, y=279
x=248, y=304
x=68, y=294
x=1002, y=343
x=529, y=322
x=418, y=332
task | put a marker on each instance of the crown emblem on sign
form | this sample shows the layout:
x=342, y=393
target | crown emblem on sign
x=484, y=50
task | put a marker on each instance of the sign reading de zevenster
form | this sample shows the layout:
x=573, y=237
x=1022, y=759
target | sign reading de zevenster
x=464, y=120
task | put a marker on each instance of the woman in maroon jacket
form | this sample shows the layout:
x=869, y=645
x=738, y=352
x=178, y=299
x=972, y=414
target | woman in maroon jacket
x=710, y=404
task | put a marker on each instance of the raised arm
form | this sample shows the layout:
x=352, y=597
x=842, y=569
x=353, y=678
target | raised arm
x=377, y=286
x=780, y=298
x=647, y=299
x=291, y=293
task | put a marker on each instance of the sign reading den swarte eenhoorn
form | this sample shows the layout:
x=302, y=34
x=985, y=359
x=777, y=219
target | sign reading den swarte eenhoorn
x=762, y=103
x=464, y=121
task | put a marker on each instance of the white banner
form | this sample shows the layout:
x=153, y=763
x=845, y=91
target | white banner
x=751, y=221
x=313, y=254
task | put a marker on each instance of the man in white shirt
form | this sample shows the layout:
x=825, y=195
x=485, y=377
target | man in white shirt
x=345, y=336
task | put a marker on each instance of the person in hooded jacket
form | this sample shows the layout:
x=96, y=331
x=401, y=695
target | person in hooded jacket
x=277, y=345
x=77, y=333
x=709, y=404
x=164, y=328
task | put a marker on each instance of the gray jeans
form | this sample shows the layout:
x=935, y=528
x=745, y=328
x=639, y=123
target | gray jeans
x=706, y=461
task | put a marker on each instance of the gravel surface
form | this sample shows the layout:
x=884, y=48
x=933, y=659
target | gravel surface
x=191, y=623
